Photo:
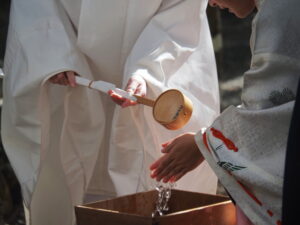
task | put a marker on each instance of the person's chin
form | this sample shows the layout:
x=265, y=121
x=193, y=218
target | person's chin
x=235, y=13
x=241, y=15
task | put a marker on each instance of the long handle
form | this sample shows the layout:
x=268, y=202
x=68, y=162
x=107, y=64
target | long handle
x=136, y=98
x=82, y=81
x=93, y=84
x=144, y=101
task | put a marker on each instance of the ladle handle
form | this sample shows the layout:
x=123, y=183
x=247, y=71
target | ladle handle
x=144, y=101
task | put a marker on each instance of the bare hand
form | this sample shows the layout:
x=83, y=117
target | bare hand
x=182, y=155
x=64, y=78
x=136, y=85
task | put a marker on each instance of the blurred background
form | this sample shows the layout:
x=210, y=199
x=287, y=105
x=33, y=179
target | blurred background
x=231, y=43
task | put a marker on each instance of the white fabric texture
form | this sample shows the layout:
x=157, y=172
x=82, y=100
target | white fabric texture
x=66, y=142
x=246, y=145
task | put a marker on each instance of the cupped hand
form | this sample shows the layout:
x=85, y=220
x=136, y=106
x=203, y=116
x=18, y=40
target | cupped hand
x=136, y=85
x=181, y=156
x=66, y=78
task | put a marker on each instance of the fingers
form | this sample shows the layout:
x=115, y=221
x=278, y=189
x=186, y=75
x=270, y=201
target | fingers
x=64, y=78
x=173, y=177
x=178, y=176
x=116, y=98
x=170, y=173
x=59, y=79
x=128, y=102
x=181, y=156
x=136, y=85
x=164, y=167
x=174, y=172
x=133, y=85
x=52, y=79
x=141, y=89
x=154, y=165
x=71, y=78
x=163, y=172
x=167, y=147
x=165, y=144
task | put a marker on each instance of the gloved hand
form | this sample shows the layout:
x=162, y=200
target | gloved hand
x=64, y=78
x=135, y=85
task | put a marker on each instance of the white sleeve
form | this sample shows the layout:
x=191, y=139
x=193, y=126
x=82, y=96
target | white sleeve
x=175, y=51
x=41, y=41
x=168, y=39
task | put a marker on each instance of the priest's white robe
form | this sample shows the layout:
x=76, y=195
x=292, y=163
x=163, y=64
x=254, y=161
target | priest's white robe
x=66, y=142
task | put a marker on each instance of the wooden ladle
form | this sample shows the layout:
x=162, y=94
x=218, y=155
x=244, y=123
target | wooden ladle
x=172, y=108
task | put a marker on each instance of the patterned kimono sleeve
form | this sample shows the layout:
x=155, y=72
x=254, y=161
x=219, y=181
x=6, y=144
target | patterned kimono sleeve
x=246, y=149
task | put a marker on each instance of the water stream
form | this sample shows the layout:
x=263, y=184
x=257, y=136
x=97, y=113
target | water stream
x=164, y=195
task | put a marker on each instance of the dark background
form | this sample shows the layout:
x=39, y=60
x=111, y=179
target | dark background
x=231, y=42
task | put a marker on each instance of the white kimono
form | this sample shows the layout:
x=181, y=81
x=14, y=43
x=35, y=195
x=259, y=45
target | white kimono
x=66, y=142
x=246, y=145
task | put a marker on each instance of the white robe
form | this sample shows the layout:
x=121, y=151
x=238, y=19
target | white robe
x=246, y=145
x=66, y=142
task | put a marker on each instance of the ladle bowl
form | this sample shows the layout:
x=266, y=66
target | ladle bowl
x=172, y=108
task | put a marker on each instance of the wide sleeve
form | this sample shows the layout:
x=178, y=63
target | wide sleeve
x=246, y=145
x=42, y=42
x=175, y=51
x=42, y=39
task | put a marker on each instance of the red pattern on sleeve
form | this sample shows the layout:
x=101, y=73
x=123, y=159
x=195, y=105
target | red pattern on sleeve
x=229, y=144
